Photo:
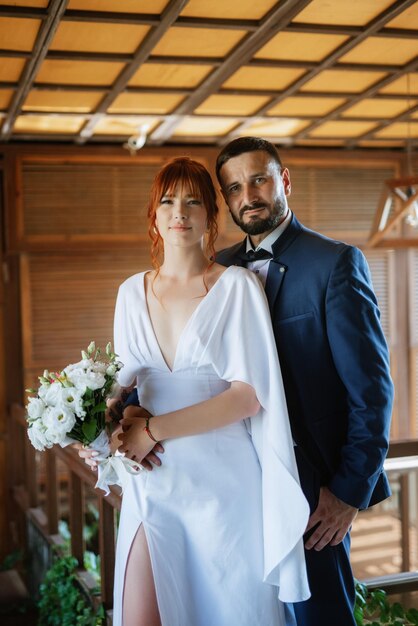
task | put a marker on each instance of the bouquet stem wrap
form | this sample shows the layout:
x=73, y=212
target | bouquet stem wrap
x=112, y=468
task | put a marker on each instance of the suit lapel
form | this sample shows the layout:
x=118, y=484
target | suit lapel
x=277, y=269
x=274, y=281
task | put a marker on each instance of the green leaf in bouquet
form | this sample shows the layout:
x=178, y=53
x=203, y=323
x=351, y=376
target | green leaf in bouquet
x=99, y=408
x=89, y=430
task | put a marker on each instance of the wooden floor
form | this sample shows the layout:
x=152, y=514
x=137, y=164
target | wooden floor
x=376, y=545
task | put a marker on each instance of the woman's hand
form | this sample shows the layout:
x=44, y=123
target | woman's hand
x=88, y=455
x=136, y=444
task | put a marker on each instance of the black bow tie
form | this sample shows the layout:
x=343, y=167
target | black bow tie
x=255, y=255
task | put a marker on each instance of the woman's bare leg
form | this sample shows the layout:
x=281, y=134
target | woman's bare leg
x=140, y=606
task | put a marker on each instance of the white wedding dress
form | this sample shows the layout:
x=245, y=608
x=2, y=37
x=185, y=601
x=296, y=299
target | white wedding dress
x=224, y=515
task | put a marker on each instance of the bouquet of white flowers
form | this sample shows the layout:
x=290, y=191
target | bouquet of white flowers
x=70, y=406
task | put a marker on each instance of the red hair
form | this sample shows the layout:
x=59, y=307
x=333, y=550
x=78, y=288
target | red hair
x=195, y=177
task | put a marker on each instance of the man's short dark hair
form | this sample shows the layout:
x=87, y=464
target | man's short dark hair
x=245, y=144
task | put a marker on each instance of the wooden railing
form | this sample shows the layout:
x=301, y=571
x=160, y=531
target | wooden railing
x=25, y=483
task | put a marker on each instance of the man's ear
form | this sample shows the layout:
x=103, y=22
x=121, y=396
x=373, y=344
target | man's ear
x=287, y=185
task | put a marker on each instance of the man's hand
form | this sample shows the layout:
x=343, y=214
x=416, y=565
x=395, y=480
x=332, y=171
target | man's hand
x=151, y=458
x=333, y=519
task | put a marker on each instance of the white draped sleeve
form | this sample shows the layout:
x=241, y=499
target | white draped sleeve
x=243, y=349
x=126, y=339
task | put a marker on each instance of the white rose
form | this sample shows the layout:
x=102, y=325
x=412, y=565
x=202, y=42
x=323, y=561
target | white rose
x=73, y=398
x=35, y=408
x=53, y=394
x=36, y=434
x=59, y=420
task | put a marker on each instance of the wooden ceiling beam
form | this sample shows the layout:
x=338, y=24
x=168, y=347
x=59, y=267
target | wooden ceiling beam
x=350, y=31
x=115, y=57
x=23, y=12
x=272, y=23
x=191, y=90
x=168, y=17
x=46, y=32
x=153, y=19
x=329, y=62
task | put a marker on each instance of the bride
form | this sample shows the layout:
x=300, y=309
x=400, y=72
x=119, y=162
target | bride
x=212, y=536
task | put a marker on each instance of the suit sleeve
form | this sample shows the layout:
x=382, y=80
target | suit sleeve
x=361, y=357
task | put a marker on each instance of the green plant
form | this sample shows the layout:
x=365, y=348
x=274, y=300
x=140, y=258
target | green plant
x=373, y=608
x=62, y=601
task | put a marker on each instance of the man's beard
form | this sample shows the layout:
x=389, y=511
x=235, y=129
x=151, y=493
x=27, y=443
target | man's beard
x=259, y=225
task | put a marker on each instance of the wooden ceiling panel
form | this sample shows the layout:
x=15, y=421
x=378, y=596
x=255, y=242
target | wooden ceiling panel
x=378, y=108
x=408, y=19
x=300, y=47
x=147, y=103
x=11, y=69
x=78, y=72
x=65, y=101
x=306, y=106
x=399, y=130
x=283, y=128
x=340, y=80
x=342, y=129
x=5, y=97
x=18, y=33
x=221, y=9
x=123, y=6
x=263, y=78
x=231, y=105
x=204, y=126
x=124, y=126
x=353, y=13
x=383, y=50
x=407, y=84
x=49, y=124
x=198, y=42
x=169, y=75
x=94, y=37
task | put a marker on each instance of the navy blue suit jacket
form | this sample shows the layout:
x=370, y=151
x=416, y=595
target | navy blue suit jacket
x=334, y=359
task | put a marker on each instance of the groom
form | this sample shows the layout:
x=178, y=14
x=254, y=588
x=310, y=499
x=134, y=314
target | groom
x=334, y=361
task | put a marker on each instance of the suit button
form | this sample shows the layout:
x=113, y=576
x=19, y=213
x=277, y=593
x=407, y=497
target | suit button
x=282, y=270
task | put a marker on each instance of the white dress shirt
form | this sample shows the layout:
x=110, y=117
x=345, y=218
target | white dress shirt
x=261, y=268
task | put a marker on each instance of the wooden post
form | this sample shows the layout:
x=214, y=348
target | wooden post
x=51, y=493
x=76, y=517
x=107, y=549
x=404, y=510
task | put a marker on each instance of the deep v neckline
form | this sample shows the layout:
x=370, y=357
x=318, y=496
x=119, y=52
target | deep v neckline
x=185, y=327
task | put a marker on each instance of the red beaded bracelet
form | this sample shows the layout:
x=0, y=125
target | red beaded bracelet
x=147, y=430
